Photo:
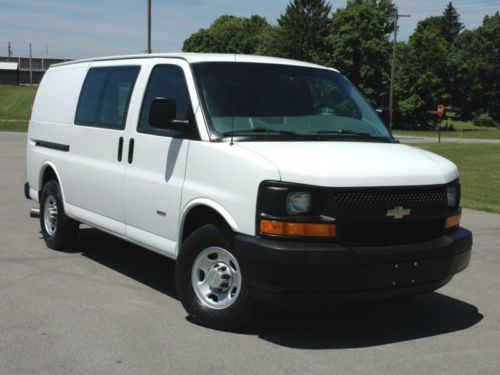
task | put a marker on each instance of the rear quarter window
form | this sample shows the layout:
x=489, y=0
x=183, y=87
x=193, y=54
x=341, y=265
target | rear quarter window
x=57, y=95
x=105, y=97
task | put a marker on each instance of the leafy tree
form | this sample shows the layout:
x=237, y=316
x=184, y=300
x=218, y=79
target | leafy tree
x=359, y=47
x=302, y=31
x=387, y=8
x=478, y=78
x=433, y=22
x=450, y=23
x=422, y=74
x=229, y=34
x=269, y=43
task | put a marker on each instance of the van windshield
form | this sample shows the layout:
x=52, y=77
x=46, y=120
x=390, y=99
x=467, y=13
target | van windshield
x=257, y=101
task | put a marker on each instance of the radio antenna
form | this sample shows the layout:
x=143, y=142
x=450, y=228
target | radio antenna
x=232, y=131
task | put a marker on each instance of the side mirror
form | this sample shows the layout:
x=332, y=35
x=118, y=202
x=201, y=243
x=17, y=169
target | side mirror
x=162, y=113
x=383, y=113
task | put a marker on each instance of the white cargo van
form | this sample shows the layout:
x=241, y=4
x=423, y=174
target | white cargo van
x=266, y=179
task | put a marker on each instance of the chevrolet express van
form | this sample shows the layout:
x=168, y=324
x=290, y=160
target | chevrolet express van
x=266, y=179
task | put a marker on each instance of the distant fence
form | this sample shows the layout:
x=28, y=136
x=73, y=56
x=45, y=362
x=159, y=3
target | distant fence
x=27, y=73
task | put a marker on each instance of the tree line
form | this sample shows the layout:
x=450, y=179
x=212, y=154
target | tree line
x=440, y=63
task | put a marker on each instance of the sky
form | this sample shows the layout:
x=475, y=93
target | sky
x=89, y=28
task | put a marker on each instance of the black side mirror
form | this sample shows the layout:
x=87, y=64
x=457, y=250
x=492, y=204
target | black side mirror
x=162, y=113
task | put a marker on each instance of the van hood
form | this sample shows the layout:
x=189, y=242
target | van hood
x=347, y=164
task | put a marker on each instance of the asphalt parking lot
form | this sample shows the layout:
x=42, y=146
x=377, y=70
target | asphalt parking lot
x=110, y=307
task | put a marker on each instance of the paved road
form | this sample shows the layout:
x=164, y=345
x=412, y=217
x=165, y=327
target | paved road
x=409, y=139
x=110, y=307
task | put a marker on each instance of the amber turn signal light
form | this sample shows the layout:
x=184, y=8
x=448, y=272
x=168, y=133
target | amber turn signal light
x=282, y=228
x=453, y=221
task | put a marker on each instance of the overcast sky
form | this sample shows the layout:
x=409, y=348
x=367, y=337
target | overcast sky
x=86, y=28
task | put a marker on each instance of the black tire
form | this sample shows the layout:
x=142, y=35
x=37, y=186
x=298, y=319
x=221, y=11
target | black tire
x=63, y=233
x=242, y=310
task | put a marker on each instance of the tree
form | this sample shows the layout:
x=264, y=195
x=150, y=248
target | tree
x=359, y=47
x=422, y=75
x=450, y=23
x=387, y=8
x=302, y=30
x=229, y=34
x=478, y=78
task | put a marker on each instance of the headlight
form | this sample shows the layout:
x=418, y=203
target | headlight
x=453, y=196
x=298, y=203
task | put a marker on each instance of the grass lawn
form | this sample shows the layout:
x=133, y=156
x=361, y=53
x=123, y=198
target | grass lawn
x=463, y=129
x=14, y=126
x=480, y=133
x=479, y=166
x=15, y=102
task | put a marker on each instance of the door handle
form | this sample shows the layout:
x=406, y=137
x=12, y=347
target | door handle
x=131, y=150
x=120, y=149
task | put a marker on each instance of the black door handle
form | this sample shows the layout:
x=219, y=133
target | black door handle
x=120, y=149
x=131, y=150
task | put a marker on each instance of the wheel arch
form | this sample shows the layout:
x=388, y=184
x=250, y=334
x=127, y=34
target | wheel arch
x=48, y=171
x=200, y=212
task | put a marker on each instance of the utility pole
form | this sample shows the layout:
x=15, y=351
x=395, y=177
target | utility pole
x=149, y=27
x=395, y=16
x=31, y=68
x=9, y=52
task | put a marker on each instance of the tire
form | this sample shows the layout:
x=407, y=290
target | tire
x=58, y=230
x=209, y=280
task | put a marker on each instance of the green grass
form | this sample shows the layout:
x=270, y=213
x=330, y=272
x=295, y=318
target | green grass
x=479, y=166
x=490, y=133
x=463, y=129
x=14, y=126
x=15, y=106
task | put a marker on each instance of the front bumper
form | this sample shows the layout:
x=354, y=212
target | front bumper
x=295, y=271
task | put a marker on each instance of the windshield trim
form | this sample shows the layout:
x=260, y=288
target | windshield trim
x=308, y=138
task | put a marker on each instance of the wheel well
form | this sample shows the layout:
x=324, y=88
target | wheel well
x=48, y=175
x=199, y=216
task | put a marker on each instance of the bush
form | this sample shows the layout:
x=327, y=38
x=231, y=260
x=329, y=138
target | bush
x=485, y=119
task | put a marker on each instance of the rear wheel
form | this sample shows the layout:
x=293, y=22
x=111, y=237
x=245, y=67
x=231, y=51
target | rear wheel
x=210, y=282
x=58, y=230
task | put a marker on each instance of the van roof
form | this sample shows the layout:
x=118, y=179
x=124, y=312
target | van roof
x=202, y=57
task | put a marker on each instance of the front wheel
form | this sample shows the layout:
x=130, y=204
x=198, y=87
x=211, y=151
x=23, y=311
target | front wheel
x=210, y=282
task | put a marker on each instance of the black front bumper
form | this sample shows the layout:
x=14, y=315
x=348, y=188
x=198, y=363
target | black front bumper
x=295, y=271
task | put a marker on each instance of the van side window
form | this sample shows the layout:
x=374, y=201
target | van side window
x=105, y=97
x=167, y=81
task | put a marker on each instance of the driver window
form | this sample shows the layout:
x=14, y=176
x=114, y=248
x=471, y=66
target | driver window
x=166, y=81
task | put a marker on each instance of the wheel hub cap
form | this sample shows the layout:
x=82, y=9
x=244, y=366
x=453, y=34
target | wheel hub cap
x=50, y=214
x=219, y=277
x=216, y=277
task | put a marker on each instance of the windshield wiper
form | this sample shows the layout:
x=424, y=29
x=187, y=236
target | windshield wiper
x=263, y=130
x=341, y=133
x=346, y=132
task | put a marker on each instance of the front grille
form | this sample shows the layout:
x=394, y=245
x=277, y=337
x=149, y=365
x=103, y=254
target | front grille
x=390, y=233
x=390, y=198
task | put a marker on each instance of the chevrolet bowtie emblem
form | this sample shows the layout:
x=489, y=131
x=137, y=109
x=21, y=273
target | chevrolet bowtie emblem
x=398, y=212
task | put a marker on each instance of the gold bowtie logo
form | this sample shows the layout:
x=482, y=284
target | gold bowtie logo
x=398, y=212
